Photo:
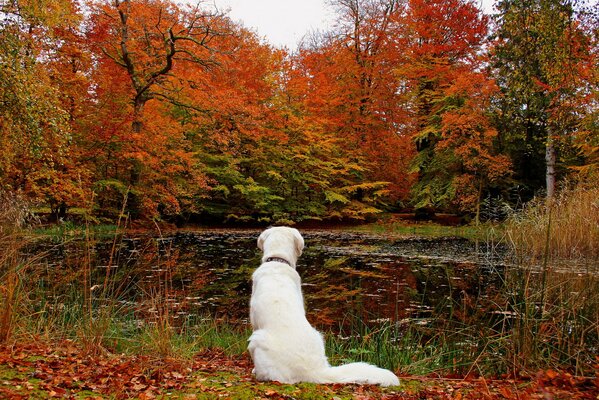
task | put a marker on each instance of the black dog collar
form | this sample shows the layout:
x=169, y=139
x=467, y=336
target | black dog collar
x=277, y=259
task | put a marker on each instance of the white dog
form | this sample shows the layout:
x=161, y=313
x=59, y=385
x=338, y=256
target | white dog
x=284, y=346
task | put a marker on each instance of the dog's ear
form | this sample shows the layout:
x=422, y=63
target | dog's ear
x=262, y=238
x=299, y=242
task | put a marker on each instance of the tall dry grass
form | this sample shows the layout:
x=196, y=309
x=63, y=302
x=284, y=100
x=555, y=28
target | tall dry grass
x=564, y=229
x=15, y=215
x=552, y=286
x=545, y=314
x=43, y=300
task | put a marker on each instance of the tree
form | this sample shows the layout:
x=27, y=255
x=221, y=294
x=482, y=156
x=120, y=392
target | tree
x=544, y=68
x=271, y=158
x=147, y=38
x=441, y=42
x=152, y=43
x=466, y=150
x=38, y=157
x=346, y=77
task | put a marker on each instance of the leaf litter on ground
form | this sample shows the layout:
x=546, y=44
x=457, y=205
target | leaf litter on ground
x=63, y=370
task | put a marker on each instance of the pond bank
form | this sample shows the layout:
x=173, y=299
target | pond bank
x=400, y=225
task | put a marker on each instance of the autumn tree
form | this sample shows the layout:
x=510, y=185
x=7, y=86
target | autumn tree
x=362, y=33
x=319, y=176
x=466, y=155
x=441, y=42
x=151, y=43
x=350, y=84
x=268, y=157
x=38, y=157
x=228, y=140
x=147, y=38
x=545, y=70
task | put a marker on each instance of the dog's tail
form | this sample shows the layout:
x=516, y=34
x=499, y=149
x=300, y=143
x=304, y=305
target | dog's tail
x=360, y=373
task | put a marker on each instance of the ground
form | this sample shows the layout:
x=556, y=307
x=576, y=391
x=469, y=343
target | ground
x=64, y=370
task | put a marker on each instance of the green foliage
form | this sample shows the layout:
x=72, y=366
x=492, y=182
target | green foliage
x=287, y=180
x=542, y=59
x=434, y=188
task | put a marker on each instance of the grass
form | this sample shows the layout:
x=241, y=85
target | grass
x=113, y=327
x=197, y=334
x=74, y=302
x=410, y=350
x=398, y=227
x=553, y=282
x=546, y=315
x=14, y=214
x=563, y=230
x=68, y=229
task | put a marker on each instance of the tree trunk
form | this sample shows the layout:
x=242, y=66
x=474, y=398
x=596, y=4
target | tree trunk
x=134, y=202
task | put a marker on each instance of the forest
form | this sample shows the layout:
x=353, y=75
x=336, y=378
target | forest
x=173, y=112
x=125, y=120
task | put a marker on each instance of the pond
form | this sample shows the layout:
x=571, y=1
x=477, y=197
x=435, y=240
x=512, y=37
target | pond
x=346, y=276
x=427, y=304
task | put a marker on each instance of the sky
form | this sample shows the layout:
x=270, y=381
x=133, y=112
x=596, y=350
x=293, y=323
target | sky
x=280, y=22
x=283, y=23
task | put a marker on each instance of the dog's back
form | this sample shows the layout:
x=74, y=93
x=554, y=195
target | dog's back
x=284, y=346
x=276, y=296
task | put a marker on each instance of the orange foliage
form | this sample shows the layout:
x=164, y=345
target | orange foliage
x=347, y=84
x=172, y=107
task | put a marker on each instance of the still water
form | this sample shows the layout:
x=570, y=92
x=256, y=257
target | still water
x=346, y=276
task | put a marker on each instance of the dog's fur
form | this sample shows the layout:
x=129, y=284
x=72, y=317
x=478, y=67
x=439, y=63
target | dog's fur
x=284, y=346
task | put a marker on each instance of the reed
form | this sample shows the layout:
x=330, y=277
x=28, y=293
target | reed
x=419, y=346
x=521, y=337
x=552, y=284
x=564, y=230
x=78, y=301
x=545, y=314
x=551, y=319
x=15, y=216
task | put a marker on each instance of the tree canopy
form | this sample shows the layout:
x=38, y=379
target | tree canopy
x=175, y=112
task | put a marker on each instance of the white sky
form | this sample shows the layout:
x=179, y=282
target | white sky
x=283, y=23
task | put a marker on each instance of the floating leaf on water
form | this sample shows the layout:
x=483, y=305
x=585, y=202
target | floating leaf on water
x=364, y=274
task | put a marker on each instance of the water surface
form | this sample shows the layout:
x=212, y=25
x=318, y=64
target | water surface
x=346, y=276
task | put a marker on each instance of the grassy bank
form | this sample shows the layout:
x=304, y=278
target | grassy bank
x=69, y=229
x=405, y=226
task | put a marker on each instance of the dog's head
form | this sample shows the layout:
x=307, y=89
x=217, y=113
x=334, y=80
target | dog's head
x=281, y=241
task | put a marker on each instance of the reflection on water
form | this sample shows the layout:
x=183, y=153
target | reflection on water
x=345, y=275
